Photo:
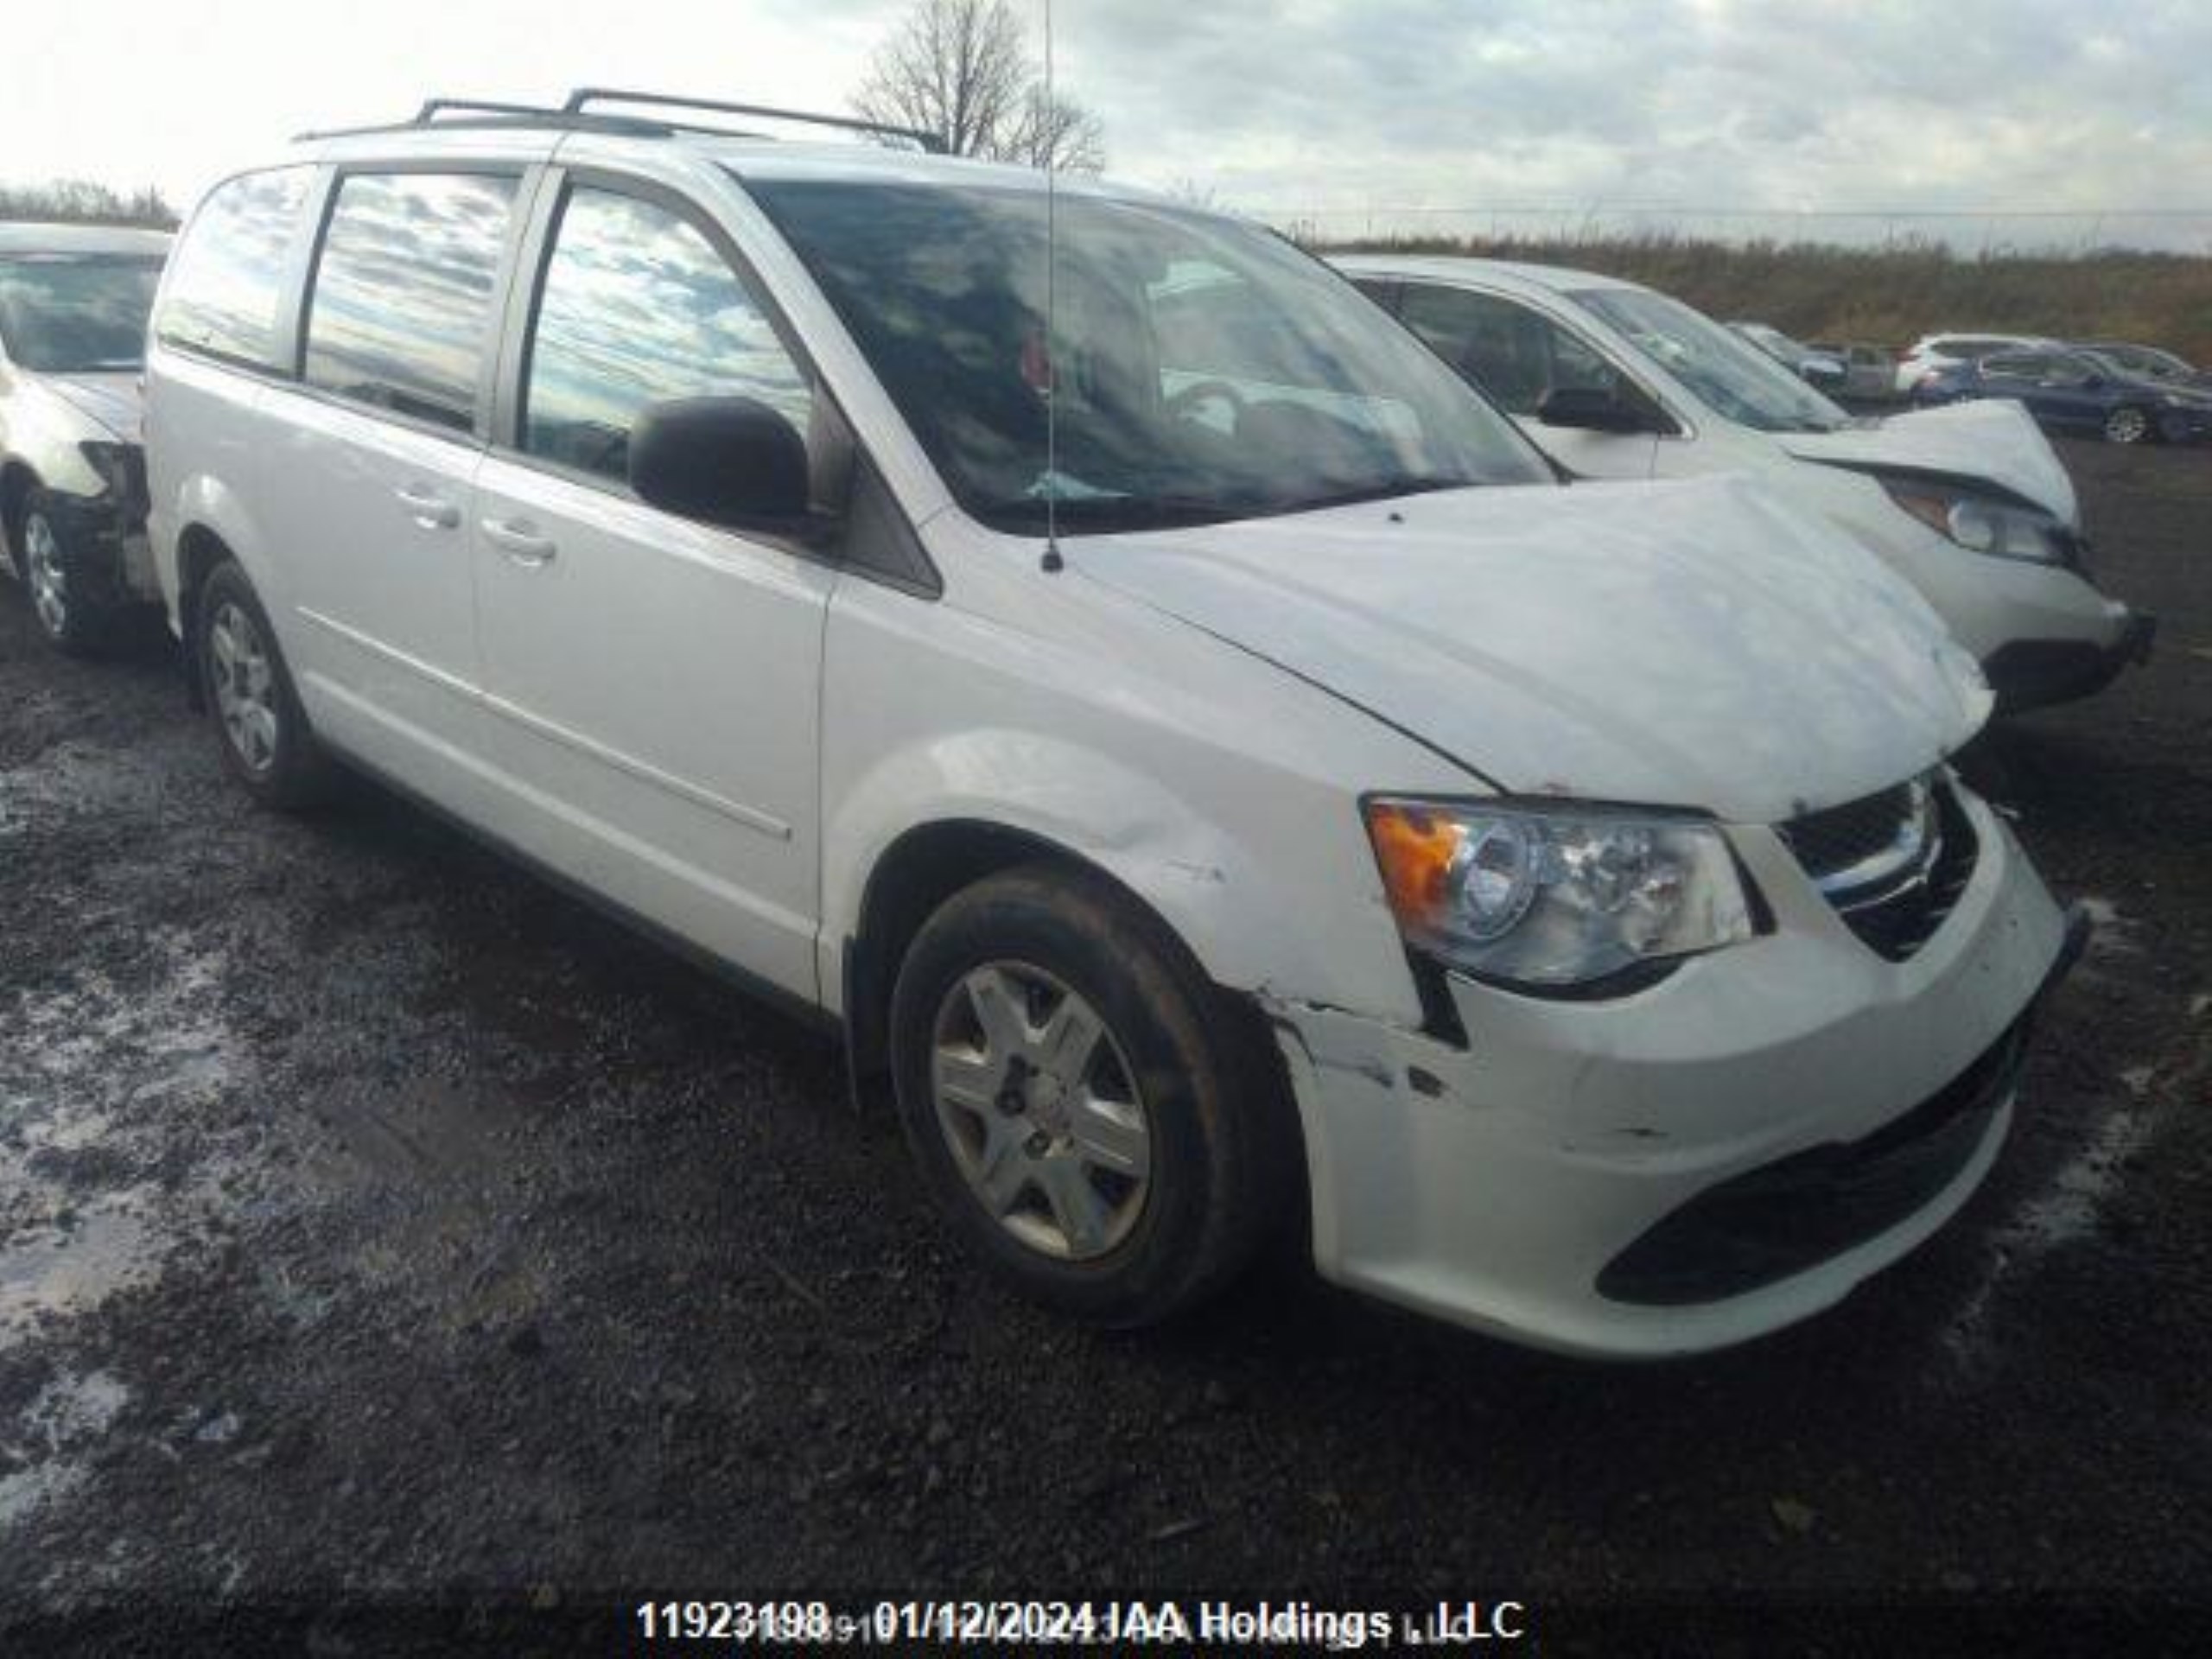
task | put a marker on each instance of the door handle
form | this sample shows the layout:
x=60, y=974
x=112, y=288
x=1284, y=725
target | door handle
x=516, y=539
x=428, y=508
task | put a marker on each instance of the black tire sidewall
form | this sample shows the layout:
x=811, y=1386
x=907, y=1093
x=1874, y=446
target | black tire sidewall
x=1195, y=1228
x=296, y=776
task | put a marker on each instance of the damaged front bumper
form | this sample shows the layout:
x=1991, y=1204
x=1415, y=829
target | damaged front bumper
x=111, y=562
x=1697, y=1163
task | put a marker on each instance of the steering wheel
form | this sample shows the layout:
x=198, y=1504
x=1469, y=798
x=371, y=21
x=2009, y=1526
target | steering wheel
x=1184, y=404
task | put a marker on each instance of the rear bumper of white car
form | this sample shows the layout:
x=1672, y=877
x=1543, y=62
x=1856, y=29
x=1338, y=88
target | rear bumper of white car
x=1698, y=1163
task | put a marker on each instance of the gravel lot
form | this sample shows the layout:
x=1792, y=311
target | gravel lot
x=372, y=1218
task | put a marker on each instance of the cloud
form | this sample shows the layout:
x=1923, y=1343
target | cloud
x=1349, y=106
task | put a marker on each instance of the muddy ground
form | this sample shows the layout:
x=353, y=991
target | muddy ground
x=373, y=1218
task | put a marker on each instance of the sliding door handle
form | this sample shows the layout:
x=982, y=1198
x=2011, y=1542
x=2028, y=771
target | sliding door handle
x=428, y=508
x=518, y=539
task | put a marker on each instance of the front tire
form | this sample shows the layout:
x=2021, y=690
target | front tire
x=2128, y=424
x=53, y=573
x=263, y=732
x=1083, y=1103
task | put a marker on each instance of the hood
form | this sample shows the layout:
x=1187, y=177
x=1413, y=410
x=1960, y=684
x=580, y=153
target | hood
x=1686, y=644
x=1993, y=439
x=112, y=400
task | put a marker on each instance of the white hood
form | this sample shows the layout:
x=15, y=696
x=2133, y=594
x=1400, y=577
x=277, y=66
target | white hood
x=112, y=400
x=1686, y=644
x=1991, y=438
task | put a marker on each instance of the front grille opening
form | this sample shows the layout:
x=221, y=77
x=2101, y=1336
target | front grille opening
x=1892, y=864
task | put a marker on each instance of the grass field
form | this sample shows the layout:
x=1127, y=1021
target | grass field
x=1892, y=294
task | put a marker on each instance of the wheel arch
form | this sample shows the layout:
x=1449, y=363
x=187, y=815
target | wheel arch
x=922, y=868
x=928, y=863
x=200, y=550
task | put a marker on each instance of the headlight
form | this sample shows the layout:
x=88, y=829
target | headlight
x=1982, y=524
x=1544, y=898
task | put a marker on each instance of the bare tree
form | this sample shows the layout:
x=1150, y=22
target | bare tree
x=961, y=69
x=1057, y=132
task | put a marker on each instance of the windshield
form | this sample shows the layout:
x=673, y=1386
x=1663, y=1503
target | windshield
x=1726, y=372
x=73, y=314
x=1204, y=370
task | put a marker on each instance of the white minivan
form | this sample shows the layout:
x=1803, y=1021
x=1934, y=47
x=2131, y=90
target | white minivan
x=1178, y=734
x=1968, y=503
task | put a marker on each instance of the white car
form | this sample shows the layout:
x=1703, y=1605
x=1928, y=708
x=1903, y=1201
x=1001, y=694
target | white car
x=1933, y=353
x=1814, y=365
x=1178, y=732
x=1968, y=503
x=73, y=301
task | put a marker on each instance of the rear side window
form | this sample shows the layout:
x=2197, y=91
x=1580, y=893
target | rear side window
x=400, y=316
x=637, y=308
x=226, y=279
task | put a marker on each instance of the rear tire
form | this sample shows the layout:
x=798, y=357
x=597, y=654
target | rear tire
x=2128, y=424
x=1085, y=1107
x=51, y=570
x=263, y=732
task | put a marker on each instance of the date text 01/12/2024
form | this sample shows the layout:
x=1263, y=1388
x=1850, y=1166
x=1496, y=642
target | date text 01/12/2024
x=800, y=1623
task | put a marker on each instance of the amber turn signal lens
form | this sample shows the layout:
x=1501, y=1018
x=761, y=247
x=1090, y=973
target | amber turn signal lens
x=1415, y=848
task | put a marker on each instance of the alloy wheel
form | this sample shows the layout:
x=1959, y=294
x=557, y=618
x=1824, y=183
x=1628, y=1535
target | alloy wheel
x=49, y=580
x=2126, y=426
x=1041, y=1111
x=241, y=676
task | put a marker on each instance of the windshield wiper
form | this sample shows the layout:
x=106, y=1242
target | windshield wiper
x=1396, y=487
x=1097, y=512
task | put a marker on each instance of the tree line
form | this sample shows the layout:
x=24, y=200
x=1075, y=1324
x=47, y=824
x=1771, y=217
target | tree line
x=81, y=201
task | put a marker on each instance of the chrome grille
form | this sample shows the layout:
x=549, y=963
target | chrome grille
x=1892, y=864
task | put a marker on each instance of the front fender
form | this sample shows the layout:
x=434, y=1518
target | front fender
x=1132, y=827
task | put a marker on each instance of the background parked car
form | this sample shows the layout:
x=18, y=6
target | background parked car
x=74, y=302
x=1933, y=351
x=1613, y=379
x=1811, y=363
x=2079, y=392
x=1869, y=372
x=2147, y=362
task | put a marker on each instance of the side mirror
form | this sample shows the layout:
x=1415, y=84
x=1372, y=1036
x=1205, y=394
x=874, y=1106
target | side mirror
x=1594, y=410
x=731, y=461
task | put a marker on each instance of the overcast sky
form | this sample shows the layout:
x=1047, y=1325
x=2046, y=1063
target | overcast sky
x=1283, y=106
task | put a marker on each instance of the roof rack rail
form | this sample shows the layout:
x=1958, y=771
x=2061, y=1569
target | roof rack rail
x=588, y=95
x=485, y=113
x=573, y=116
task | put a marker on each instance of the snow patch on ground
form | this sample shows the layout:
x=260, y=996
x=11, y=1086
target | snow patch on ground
x=2066, y=1210
x=98, y=1063
x=45, y=1448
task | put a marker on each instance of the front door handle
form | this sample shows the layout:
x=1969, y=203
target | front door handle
x=519, y=540
x=428, y=508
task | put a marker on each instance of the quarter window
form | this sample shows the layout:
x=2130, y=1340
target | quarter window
x=227, y=281
x=401, y=307
x=637, y=308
